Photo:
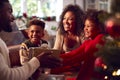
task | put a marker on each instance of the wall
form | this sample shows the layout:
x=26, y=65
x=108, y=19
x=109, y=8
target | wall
x=81, y=3
x=78, y=2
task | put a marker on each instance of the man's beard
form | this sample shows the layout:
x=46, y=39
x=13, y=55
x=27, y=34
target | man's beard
x=7, y=28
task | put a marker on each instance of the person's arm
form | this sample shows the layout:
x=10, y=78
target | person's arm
x=75, y=52
x=24, y=54
x=75, y=56
x=89, y=47
x=58, y=41
x=25, y=71
x=18, y=73
x=44, y=60
x=69, y=59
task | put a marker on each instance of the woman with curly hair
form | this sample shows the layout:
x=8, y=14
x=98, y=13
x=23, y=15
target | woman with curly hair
x=69, y=34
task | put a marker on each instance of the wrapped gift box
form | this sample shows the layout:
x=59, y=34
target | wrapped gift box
x=34, y=51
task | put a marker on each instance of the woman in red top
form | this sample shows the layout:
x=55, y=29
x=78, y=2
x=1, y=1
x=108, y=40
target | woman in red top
x=94, y=30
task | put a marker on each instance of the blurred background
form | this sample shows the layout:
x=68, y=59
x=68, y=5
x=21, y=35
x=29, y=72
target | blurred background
x=51, y=9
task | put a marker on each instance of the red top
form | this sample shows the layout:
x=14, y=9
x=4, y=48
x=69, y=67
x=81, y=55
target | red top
x=86, y=53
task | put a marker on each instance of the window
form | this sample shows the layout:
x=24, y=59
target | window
x=103, y=5
x=40, y=8
x=90, y=4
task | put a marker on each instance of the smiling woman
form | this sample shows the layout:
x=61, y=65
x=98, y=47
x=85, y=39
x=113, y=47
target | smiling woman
x=69, y=34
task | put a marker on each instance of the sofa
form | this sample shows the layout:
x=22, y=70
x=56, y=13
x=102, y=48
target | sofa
x=14, y=55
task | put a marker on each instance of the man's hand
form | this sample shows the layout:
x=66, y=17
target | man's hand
x=48, y=61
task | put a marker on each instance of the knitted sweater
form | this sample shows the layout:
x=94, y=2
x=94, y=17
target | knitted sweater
x=18, y=73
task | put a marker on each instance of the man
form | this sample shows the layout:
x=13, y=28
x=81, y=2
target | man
x=25, y=71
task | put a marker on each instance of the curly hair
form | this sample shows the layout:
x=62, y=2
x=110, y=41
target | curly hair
x=78, y=12
x=36, y=22
x=93, y=16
